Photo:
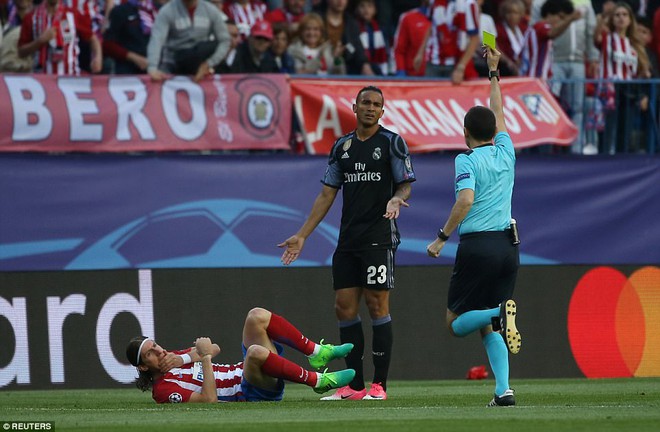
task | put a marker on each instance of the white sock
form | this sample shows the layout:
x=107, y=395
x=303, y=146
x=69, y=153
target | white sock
x=318, y=380
x=317, y=348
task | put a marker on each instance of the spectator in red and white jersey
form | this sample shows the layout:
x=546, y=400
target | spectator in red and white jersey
x=372, y=38
x=290, y=13
x=51, y=32
x=189, y=375
x=245, y=13
x=510, y=35
x=93, y=9
x=536, y=55
x=409, y=41
x=623, y=56
x=442, y=48
x=453, y=40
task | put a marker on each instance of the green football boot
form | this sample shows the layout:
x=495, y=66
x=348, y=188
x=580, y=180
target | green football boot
x=329, y=352
x=333, y=380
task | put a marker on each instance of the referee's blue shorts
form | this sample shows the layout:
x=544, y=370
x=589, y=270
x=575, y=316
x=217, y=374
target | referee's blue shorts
x=485, y=271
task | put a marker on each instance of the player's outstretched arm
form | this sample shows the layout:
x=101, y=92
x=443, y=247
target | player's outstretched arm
x=399, y=199
x=493, y=60
x=295, y=243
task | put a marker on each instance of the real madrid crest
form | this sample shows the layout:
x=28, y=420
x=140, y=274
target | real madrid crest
x=347, y=144
x=376, y=154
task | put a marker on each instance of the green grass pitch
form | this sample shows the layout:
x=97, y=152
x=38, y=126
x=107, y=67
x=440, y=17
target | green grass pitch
x=543, y=405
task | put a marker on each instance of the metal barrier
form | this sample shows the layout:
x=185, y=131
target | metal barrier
x=613, y=116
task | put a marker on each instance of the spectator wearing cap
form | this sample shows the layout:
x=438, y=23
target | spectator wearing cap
x=181, y=42
x=252, y=55
x=290, y=14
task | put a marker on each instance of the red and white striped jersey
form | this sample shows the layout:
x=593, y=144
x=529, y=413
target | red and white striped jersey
x=618, y=58
x=88, y=8
x=245, y=15
x=60, y=55
x=454, y=21
x=510, y=40
x=178, y=384
x=536, y=55
x=467, y=21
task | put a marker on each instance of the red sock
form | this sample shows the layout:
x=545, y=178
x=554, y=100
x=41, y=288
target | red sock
x=279, y=367
x=281, y=330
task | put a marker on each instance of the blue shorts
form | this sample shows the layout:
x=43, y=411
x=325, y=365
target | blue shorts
x=255, y=394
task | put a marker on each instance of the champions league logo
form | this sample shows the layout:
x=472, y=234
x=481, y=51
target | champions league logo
x=175, y=398
x=259, y=109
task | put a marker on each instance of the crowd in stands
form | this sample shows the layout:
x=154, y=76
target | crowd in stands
x=570, y=44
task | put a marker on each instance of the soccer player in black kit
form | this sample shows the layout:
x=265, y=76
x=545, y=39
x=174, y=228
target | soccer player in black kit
x=373, y=166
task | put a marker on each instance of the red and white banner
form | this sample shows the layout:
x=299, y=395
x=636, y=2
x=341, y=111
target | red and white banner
x=130, y=113
x=429, y=114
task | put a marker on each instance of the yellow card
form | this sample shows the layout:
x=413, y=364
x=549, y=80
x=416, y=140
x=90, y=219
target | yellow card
x=489, y=39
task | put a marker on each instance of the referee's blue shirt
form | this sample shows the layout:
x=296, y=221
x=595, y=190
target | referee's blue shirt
x=488, y=170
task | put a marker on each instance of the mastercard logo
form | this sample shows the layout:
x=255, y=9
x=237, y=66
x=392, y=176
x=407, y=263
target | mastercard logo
x=614, y=323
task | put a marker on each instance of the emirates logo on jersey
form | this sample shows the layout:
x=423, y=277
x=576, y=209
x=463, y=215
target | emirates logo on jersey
x=376, y=154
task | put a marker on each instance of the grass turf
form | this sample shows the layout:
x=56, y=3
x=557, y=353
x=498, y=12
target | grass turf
x=543, y=405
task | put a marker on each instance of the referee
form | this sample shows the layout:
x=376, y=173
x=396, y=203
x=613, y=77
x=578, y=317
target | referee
x=372, y=166
x=487, y=259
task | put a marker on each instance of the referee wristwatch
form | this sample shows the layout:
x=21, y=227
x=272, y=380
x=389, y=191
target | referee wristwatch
x=493, y=74
x=442, y=236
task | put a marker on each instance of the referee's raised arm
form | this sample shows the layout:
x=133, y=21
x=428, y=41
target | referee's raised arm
x=493, y=59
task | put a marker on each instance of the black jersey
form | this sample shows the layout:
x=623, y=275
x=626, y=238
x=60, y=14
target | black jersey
x=369, y=172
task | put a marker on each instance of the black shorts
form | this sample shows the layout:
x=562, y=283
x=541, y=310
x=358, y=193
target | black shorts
x=371, y=269
x=485, y=271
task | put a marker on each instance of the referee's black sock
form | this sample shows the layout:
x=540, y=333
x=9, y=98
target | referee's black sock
x=382, y=349
x=351, y=332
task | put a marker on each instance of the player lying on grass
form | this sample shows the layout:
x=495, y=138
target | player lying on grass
x=190, y=376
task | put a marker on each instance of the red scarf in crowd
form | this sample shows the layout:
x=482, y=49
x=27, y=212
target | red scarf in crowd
x=63, y=23
x=373, y=41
